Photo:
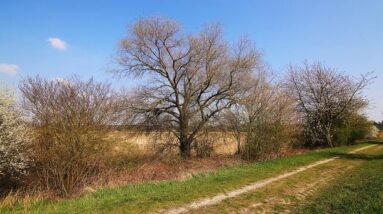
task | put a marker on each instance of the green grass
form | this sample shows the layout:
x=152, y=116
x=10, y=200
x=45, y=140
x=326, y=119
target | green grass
x=149, y=196
x=360, y=192
x=286, y=195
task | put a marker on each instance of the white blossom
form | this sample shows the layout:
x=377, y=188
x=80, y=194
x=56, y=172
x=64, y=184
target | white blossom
x=13, y=144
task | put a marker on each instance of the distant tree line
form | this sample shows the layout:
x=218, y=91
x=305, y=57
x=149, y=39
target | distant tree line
x=379, y=125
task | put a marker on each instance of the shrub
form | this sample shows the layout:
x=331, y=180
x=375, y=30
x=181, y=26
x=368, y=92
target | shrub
x=203, y=145
x=13, y=142
x=70, y=119
x=266, y=141
x=355, y=127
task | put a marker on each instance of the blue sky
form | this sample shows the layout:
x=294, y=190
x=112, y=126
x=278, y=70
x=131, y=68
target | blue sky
x=56, y=39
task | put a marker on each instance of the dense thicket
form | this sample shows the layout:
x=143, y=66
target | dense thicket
x=70, y=119
x=354, y=127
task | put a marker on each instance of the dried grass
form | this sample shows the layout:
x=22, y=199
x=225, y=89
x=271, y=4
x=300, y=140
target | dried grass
x=163, y=169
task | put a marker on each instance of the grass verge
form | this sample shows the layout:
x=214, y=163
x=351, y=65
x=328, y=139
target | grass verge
x=287, y=195
x=360, y=192
x=146, y=197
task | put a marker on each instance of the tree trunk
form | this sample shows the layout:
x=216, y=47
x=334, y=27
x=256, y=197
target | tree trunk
x=238, y=148
x=237, y=135
x=238, y=152
x=328, y=137
x=185, y=138
x=185, y=149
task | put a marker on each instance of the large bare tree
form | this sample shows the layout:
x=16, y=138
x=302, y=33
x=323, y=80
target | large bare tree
x=192, y=77
x=325, y=97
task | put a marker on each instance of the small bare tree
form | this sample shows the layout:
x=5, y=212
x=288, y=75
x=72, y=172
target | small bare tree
x=260, y=118
x=192, y=77
x=69, y=119
x=251, y=100
x=325, y=97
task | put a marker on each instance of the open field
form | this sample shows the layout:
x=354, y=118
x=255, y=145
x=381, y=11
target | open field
x=142, y=142
x=160, y=196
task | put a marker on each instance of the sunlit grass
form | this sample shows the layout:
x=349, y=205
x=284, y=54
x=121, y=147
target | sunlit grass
x=359, y=192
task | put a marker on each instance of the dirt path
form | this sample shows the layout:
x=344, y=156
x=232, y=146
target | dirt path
x=300, y=192
x=284, y=195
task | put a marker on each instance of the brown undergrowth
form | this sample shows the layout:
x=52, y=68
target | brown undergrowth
x=124, y=168
x=164, y=169
x=151, y=168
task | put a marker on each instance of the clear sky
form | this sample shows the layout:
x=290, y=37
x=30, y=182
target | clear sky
x=56, y=39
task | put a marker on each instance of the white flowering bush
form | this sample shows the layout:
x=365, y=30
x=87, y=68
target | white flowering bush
x=13, y=144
